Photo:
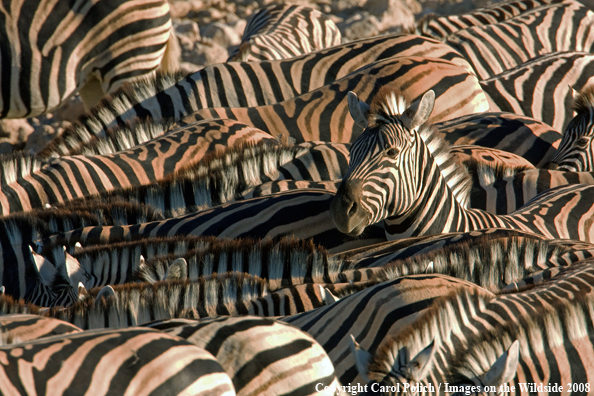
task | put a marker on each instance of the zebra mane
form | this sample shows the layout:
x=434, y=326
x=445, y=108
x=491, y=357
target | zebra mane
x=281, y=263
x=17, y=165
x=583, y=103
x=122, y=138
x=487, y=174
x=144, y=302
x=547, y=327
x=218, y=178
x=390, y=103
x=123, y=99
x=434, y=324
x=10, y=305
x=487, y=261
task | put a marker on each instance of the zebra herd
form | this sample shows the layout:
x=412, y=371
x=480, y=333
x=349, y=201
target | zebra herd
x=401, y=213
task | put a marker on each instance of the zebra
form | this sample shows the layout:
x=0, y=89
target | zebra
x=281, y=263
x=20, y=268
x=576, y=152
x=495, y=48
x=19, y=328
x=284, y=263
x=491, y=260
x=501, y=190
x=173, y=96
x=321, y=114
x=372, y=314
x=264, y=356
x=238, y=172
x=69, y=177
x=302, y=213
x=529, y=138
x=93, y=47
x=526, y=89
x=230, y=294
x=115, y=362
x=282, y=31
x=469, y=332
x=398, y=152
x=444, y=26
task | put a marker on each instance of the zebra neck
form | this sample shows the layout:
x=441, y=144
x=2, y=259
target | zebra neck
x=437, y=210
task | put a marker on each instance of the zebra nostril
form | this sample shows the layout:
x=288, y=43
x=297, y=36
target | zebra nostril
x=353, y=209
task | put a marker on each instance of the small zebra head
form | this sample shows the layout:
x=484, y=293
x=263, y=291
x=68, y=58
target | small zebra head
x=385, y=161
x=576, y=149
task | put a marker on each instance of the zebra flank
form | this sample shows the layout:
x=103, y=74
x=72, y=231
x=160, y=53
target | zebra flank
x=282, y=31
x=529, y=138
x=302, y=118
x=576, y=151
x=263, y=356
x=19, y=328
x=162, y=364
x=501, y=190
x=495, y=48
x=170, y=97
x=301, y=213
x=526, y=89
x=442, y=27
x=70, y=177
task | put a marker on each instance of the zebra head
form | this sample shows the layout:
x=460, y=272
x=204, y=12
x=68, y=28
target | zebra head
x=383, y=175
x=576, y=149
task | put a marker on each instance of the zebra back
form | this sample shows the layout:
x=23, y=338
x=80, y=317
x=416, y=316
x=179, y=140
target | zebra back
x=496, y=48
x=444, y=26
x=284, y=263
x=371, y=315
x=18, y=328
x=526, y=89
x=263, y=355
x=281, y=31
x=173, y=96
x=322, y=114
x=162, y=364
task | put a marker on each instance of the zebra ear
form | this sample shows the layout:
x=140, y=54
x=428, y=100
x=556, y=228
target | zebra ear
x=362, y=359
x=430, y=268
x=418, y=367
x=83, y=294
x=45, y=269
x=178, y=269
x=106, y=293
x=327, y=296
x=504, y=369
x=420, y=111
x=73, y=269
x=358, y=109
x=77, y=248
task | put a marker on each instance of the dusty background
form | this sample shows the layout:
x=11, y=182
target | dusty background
x=208, y=30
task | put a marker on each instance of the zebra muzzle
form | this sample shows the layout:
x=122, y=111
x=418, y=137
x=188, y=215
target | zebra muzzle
x=346, y=210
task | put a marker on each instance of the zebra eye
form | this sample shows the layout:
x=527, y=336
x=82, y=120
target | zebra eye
x=392, y=152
